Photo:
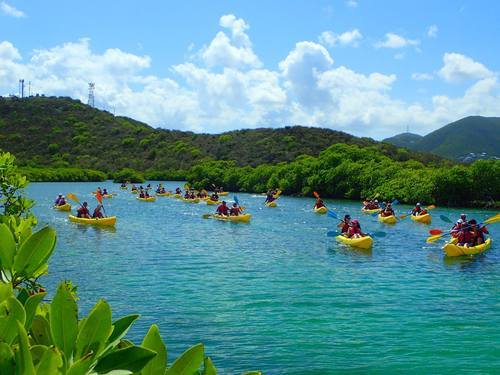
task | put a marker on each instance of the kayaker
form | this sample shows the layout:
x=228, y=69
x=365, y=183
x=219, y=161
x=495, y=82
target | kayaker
x=58, y=199
x=417, y=211
x=148, y=187
x=477, y=232
x=146, y=194
x=192, y=196
x=133, y=188
x=344, y=224
x=235, y=210
x=458, y=225
x=270, y=197
x=83, y=211
x=355, y=230
x=223, y=209
x=141, y=194
x=372, y=205
x=123, y=185
x=99, y=190
x=387, y=211
x=178, y=191
x=97, y=212
x=214, y=197
x=105, y=191
x=319, y=203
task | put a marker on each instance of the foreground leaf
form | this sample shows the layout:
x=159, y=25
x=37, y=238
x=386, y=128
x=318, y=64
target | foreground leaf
x=94, y=331
x=35, y=251
x=7, y=247
x=24, y=362
x=208, y=367
x=153, y=341
x=7, y=361
x=50, y=363
x=40, y=330
x=189, y=362
x=11, y=311
x=64, y=320
x=30, y=306
x=133, y=359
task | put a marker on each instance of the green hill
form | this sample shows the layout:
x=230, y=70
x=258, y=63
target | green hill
x=474, y=134
x=408, y=140
x=62, y=132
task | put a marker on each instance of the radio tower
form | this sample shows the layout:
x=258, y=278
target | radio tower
x=21, y=88
x=90, y=101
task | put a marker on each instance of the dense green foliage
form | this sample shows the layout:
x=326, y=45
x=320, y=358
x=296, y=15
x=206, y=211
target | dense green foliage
x=44, y=338
x=62, y=174
x=471, y=134
x=353, y=172
x=63, y=133
x=408, y=140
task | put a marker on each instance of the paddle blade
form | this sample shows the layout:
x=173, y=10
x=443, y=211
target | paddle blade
x=73, y=197
x=236, y=200
x=445, y=219
x=435, y=238
x=431, y=207
x=434, y=232
x=316, y=195
x=332, y=214
x=98, y=196
x=332, y=233
x=493, y=219
x=403, y=217
x=206, y=216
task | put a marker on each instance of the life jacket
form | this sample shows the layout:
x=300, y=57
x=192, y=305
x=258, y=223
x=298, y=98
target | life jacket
x=353, y=231
x=465, y=237
x=235, y=211
x=319, y=204
x=82, y=211
x=97, y=214
x=222, y=210
x=345, y=228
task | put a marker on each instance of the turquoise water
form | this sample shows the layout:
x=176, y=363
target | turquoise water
x=277, y=294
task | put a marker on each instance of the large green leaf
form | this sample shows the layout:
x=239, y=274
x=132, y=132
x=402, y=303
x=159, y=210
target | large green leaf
x=208, y=367
x=40, y=331
x=153, y=341
x=37, y=352
x=24, y=363
x=133, y=359
x=95, y=331
x=35, y=251
x=5, y=291
x=189, y=362
x=7, y=360
x=64, y=320
x=51, y=363
x=11, y=311
x=120, y=329
x=7, y=247
x=30, y=306
x=81, y=366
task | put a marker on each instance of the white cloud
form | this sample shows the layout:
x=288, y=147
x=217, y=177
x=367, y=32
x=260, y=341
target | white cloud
x=235, y=51
x=307, y=88
x=460, y=68
x=432, y=31
x=352, y=3
x=393, y=40
x=348, y=38
x=9, y=10
x=422, y=77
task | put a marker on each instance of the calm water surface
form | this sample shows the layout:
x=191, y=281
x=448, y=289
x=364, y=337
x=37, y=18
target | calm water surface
x=277, y=294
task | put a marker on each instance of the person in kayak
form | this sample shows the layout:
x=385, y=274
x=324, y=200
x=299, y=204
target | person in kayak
x=235, y=210
x=57, y=202
x=319, y=203
x=123, y=185
x=148, y=187
x=178, y=191
x=83, y=211
x=97, y=214
x=270, y=197
x=344, y=224
x=142, y=194
x=192, y=196
x=477, y=233
x=105, y=191
x=355, y=230
x=133, y=187
x=214, y=197
x=417, y=210
x=387, y=211
x=456, y=228
x=223, y=209
x=372, y=205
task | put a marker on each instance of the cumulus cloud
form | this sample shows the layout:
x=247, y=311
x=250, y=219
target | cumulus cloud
x=10, y=10
x=422, y=77
x=393, y=40
x=352, y=3
x=348, y=38
x=432, y=31
x=459, y=68
x=307, y=87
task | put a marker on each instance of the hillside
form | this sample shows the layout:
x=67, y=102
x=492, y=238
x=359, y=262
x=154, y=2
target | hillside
x=62, y=132
x=473, y=134
x=408, y=140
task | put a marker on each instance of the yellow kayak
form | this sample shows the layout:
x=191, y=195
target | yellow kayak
x=150, y=199
x=106, y=221
x=366, y=211
x=177, y=196
x=453, y=250
x=425, y=219
x=64, y=207
x=123, y=187
x=195, y=200
x=107, y=196
x=387, y=219
x=321, y=210
x=209, y=201
x=361, y=242
x=134, y=191
x=271, y=204
x=223, y=194
x=237, y=219
x=163, y=194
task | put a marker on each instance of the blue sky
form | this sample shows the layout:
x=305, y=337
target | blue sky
x=366, y=67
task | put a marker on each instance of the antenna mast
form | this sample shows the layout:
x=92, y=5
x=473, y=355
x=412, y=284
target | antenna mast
x=90, y=101
x=21, y=88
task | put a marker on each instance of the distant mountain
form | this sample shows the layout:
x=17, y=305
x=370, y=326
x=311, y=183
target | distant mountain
x=473, y=137
x=408, y=140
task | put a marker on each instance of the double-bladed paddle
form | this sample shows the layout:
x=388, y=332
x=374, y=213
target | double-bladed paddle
x=491, y=220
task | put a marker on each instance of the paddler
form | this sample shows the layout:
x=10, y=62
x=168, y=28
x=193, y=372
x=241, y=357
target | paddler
x=417, y=211
x=319, y=203
x=178, y=191
x=355, y=230
x=99, y=190
x=344, y=224
x=123, y=185
x=458, y=225
x=83, y=211
x=477, y=233
x=387, y=211
x=105, y=191
x=214, y=197
x=133, y=188
x=270, y=197
x=141, y=194
x=58, y=200
x=223, y=209
x=235, y=210
x=97, y=212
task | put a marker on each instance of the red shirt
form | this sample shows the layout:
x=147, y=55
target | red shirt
x=222, y=210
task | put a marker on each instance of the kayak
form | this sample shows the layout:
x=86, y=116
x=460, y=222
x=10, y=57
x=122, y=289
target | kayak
x=106, y=221
x=387, y=219
x=451, y=249
x=64, y=207
x=195, y=200
x=367, y=211
x=150, y=199
x=123, y=187
x=209, y=201
x=271, y=204
x=134, y=191
x=361, y=242
x=223, y=194
x=177, y=196
x=237, y=219
x=425, y=219
x=163, y=194
x=107, y=196
x=321, y=210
